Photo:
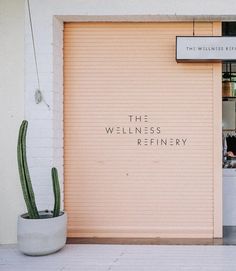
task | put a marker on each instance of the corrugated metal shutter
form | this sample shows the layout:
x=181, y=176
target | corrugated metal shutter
x=113, y=186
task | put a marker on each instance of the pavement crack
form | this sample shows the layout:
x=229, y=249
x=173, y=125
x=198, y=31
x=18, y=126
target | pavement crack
x=115, y=261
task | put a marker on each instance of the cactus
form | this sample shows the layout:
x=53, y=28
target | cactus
x=26, y=184
x=24, y=172
x=56, y=190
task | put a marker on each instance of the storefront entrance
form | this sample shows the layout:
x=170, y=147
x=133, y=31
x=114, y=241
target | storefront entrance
x=141, y=138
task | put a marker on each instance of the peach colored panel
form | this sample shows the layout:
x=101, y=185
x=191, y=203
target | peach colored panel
x=128, y=183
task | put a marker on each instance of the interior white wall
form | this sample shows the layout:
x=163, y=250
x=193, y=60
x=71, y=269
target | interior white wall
x=11, y=113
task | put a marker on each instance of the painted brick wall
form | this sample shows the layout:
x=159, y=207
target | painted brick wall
x=45, y=123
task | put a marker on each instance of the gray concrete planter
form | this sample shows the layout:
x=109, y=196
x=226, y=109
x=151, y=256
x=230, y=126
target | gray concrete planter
x=41, y=236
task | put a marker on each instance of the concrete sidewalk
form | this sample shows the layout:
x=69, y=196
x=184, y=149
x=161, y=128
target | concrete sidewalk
x=123, y=257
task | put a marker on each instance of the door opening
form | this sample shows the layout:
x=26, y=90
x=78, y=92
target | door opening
x=229, y=141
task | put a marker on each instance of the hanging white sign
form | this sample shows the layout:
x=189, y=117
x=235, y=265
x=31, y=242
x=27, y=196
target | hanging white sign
x=205, y=49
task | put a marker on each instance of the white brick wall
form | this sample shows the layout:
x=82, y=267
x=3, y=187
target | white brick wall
x=41, y=119
x=57, y=106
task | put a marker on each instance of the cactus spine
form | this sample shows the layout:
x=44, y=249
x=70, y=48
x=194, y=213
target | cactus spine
x=56, y=190
x=24, y=172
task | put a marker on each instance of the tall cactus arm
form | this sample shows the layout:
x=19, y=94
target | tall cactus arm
x=27, y=175
x=24, y=172
x=56, y=191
